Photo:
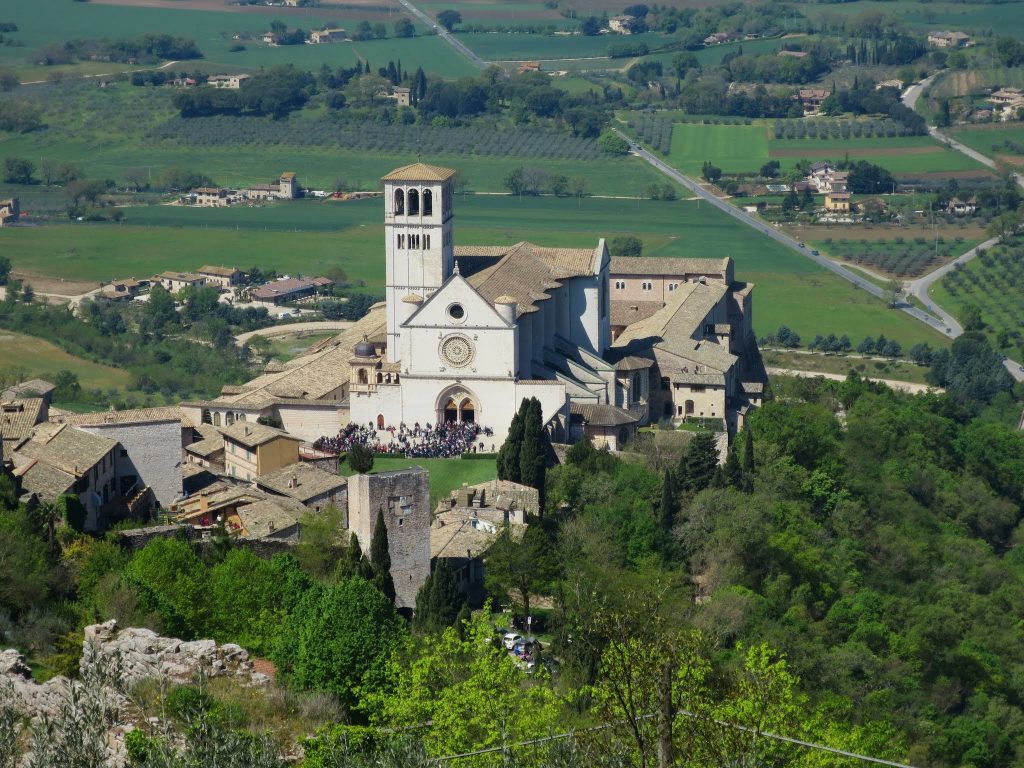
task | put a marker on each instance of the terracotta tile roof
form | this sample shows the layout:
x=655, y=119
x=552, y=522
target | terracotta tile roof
x=128, y=416
x=600, y=415
x=309, y=482
x=642, y=266
x=18, y=418
x=189, y=277
x=219, y=271
x=210, y=443
x=66, y=448
x=252, y=434
x=270, y=515
x=419, y=172
x=30, y=388
x=526, y=272
x=625, y=312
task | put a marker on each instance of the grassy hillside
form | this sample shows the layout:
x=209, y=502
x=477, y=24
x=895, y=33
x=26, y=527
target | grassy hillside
x=29, y=357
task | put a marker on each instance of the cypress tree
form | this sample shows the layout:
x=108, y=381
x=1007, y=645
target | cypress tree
x=439, y=601
x=669, y=501
x=748, y=459
x=380, y=558
x=698, y=465
x=508, y=455
x=531, y=454
x=732, y=473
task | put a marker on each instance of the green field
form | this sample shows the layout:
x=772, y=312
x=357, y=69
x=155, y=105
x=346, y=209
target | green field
x=990, y=140
x=791, y=290
x=30, y=358
x=506, y=47
x=445, y=474
x=1000, y=18
x=508, y=14
x=42, y=22
x=734, y=148
x=745, y=148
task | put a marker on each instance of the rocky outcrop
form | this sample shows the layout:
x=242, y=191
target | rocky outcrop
x=113, y=661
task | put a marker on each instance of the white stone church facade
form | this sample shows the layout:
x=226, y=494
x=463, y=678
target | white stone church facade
x=472, y=331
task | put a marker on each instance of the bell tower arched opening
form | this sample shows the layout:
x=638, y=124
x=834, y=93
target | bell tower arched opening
x=428, y=202
x=399, y=202
x=414, y=202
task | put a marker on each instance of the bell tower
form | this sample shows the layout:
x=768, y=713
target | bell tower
x=417, y=238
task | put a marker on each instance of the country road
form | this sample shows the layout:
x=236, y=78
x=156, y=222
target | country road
x=782, y=238
x=445, y=35
x=295, y=329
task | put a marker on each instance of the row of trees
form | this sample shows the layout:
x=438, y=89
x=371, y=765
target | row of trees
x=147, y=48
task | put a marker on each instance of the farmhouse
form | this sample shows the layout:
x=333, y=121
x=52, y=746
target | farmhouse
x=225, y=277
x=211, y=197
x=622, y=25
x=176, y=281
x=837, y=202
x=289, y=289
x=402, y=96
x=9, y=211
x=897, y=84
x=286, y=188
x=231, y=82
x=811, y=99
x=959, y=207
x=717, y=38
x=947, y=39
x=529, y=66
x=335, y=35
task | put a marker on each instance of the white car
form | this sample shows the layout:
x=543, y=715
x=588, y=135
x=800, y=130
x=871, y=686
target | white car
x=510, y=640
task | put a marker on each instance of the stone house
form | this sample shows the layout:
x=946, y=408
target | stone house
x=206, y=448
x=31, y=388
x=811, y=99
x=838, y=202
x=231, y=82
x=289, y=289
x=176, y=281
x=251, y=450
x=621, y=25
x=225, y=277
x=18, y=418
x=947, y=39
x=334, y=35
x=959, y=207
x=307, y=484
x=211, y=197
x=10, y=211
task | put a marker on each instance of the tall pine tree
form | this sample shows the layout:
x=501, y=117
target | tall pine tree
x=380, y=558
x=532, y=453
x=748, y=459
x=508, y=455
x=439, y=601
x=669, y=501
x=697, y=466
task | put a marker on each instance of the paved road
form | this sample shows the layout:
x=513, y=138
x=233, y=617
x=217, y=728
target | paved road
x=783, y=239
x=295, y=329
x=445, y=35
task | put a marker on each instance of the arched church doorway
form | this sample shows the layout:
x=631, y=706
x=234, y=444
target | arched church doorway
x=451, y=412
x=467, y=411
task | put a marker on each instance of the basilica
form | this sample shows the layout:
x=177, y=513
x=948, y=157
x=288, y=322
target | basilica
x=466, y=332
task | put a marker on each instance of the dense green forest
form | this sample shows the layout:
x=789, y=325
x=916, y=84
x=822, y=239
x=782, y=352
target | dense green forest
x=851, y=575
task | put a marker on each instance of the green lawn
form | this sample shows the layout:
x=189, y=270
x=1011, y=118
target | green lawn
x=42, y=22
x=26, y=357
x=791, y=290
x=504, y=46
x=445, y=474
x=284, y=349
x=733, y=148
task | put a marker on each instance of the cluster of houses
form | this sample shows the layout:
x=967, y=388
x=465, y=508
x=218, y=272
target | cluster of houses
x=285, y=188
x=1006, y=105
x=283, y=290
x=316, y=37
x=825, y=178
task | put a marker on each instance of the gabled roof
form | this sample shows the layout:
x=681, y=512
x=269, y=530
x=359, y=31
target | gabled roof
x=643, y=266
x=66, y=448
x=129, y=416
x=603, y=415
x=30, y=388
x=18, y=418
x=252, y=434
x=219, y=271
x=419, y=172
x=301, y=482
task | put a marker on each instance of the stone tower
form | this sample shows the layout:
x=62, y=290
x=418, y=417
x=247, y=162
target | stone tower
x=417, y=237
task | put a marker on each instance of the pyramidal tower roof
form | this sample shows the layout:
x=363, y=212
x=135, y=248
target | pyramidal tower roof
x=419, y=172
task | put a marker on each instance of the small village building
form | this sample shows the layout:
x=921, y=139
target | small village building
x=897, y=84
x=289, y=289
x=122, y=290
x=621, y=25
x=231, y=82
x=286, y=188
x=269, y=38
x=837, y=202
x=31, y=388
x=959, y=207
x=10, y=211
x=206, y=447
x=606, y=426
x=252, y=449
x=17, y=420
x=402, y=96
x=211, y=197
x=529, y=66
x=176, y=281
x=59, y=459
x=333, y=35
x=643, y=285
x=307, y=484
x=225, y=277
x=811, y=99
x=947, y=39
x=717, y=38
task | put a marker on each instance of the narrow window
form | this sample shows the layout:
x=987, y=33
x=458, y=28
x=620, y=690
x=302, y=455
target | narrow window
x=414, y=202
x=399, y=202
x=401, y=241
x=428, y=202
x=426, y=242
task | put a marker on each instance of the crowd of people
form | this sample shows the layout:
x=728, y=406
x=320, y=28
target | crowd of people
x=436, y=441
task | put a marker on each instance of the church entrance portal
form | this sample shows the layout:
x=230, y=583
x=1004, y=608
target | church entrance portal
x=456, y=406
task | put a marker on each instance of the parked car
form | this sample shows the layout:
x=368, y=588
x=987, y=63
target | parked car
x=510, y=640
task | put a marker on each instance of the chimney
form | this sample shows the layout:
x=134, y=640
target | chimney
x=248, y=431
x=294, y=482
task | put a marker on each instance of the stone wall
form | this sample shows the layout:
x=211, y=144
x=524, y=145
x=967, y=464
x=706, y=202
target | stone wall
x=404, y=497
x=153, y=454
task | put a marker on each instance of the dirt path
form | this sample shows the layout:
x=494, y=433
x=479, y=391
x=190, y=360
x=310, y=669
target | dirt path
x=904, y=386
x=295, y=329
